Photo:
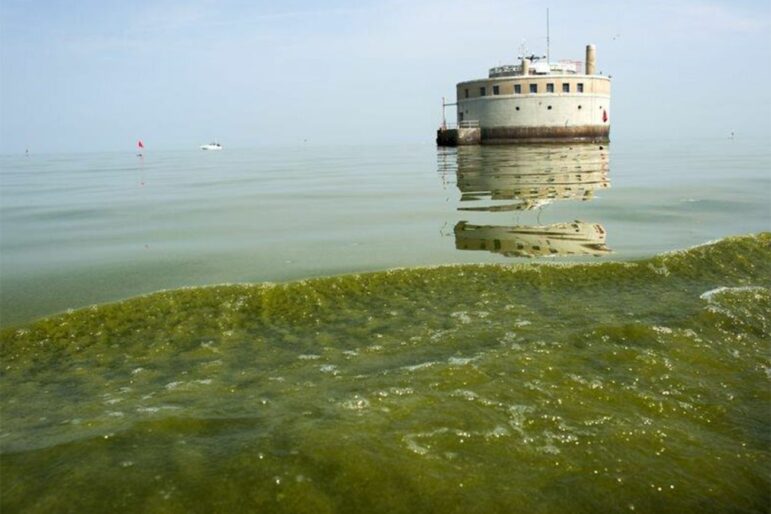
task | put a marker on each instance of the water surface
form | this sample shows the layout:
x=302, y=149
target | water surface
x=80, y=229
x=530, y=353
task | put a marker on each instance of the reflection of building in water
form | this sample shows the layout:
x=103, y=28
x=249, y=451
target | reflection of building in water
x=577, y=238
x=525, y=178
x=531, y=175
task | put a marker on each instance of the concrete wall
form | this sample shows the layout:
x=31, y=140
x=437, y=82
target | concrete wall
x=540, y=116
x=536, y=110
x=592, y=84
x=469, y=136
x=582, y=133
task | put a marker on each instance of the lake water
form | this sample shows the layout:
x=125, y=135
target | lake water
x=562, y=364
x=81, y=229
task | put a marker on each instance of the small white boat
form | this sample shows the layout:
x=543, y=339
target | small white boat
x=211, y=146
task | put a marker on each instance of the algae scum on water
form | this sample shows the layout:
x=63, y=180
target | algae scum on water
x=585, y=388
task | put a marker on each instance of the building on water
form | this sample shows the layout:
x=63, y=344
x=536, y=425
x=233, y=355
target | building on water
x=535, y=101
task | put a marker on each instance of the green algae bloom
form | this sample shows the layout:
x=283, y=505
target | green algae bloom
x=611, y=387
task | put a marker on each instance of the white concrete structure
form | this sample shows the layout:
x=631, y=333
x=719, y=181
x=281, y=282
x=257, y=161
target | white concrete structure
x=536, y=101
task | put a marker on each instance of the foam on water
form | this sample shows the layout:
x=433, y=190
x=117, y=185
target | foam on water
x=712, y=293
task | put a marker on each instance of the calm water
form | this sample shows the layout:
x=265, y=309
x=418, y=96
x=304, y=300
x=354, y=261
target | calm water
x=88, y=228
x=621, y=382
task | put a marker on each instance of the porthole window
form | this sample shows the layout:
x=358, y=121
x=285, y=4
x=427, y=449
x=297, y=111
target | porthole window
x=549, y=108
x=579, y=106
x=517, y=107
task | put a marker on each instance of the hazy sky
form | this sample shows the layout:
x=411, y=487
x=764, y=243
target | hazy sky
x=97, y=75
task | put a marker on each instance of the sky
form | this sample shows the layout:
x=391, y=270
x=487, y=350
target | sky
x=98, y=75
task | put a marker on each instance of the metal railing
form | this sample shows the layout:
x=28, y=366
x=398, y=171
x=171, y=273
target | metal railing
x=506, y=70
x=462, y=124
x=562, y=66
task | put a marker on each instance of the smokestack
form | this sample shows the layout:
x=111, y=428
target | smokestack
x=525, y=66
x=591, y=60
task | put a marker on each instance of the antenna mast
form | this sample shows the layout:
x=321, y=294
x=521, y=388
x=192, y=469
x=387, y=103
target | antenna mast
x=548, y=60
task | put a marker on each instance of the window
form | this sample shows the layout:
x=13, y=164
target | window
x=517, y=89
x=566, y=88
x=460, y=116
x=580, y=87
x=533, y=88
x=550, y=88
x=482, y=91
x=467, y=93
x=496, y=90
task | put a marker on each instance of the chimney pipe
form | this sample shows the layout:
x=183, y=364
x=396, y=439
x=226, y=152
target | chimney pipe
x=591, y=60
